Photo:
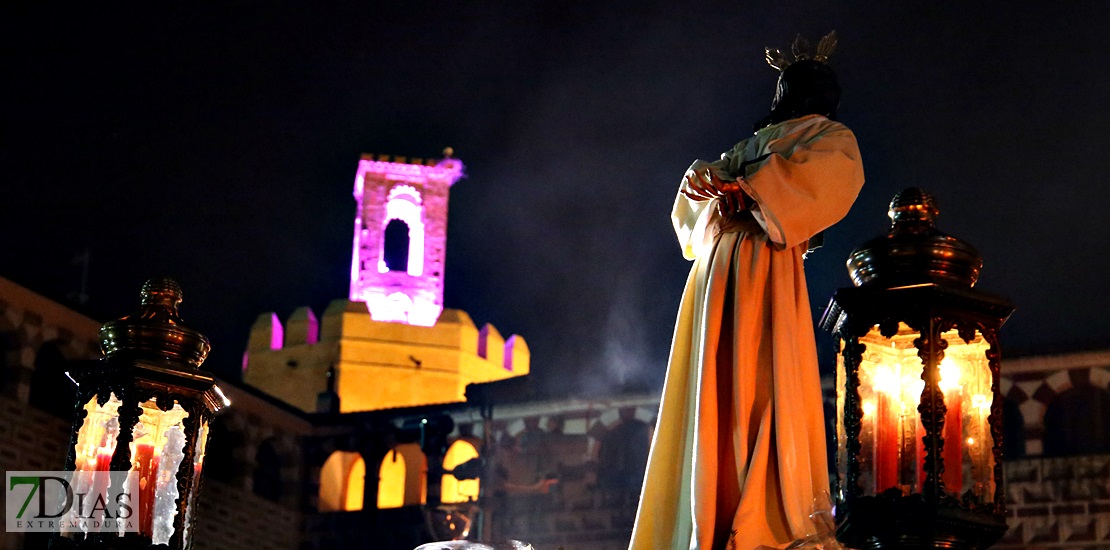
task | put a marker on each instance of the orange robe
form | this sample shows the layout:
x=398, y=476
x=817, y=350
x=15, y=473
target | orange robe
x=739, y=449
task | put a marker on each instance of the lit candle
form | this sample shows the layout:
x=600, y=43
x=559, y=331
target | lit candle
x=886, y=442
x=101, y=479
x=953, y=442
x=888, y=409
x=147, y=464
x=953, y=426
x=920, y=440
x=981, y=449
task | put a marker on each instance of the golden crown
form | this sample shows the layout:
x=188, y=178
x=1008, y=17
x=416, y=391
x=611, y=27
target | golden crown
x=800, y=49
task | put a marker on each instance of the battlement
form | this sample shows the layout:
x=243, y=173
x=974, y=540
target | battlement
x=377, y=362
x=414, y=170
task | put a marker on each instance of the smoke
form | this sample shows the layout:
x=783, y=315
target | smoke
x=626, y=356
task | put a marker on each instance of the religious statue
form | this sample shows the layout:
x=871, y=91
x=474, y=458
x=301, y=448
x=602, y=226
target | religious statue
x=738, y=456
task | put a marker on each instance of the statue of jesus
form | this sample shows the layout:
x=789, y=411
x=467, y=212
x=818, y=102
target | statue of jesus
x=738, y=455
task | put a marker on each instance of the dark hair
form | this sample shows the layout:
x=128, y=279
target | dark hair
x=806, y=87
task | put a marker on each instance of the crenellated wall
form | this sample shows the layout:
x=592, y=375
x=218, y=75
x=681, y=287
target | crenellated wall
x=378, y=364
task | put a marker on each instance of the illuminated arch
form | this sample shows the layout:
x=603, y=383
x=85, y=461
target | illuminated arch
x=452, y=489
x=391, y=480
x=395, y=245
x=356, y=485
x=404, y=205
x=342, y=482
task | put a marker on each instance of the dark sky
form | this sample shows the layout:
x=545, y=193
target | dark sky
x=218, y=145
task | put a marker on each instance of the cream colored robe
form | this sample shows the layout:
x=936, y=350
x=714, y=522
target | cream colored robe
x=739, y=448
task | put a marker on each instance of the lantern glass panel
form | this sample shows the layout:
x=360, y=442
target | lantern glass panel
x=891, y=433
x=157, y=448
x=96, y=443
x=198, y=465
x=967, y=423
x=96, y=440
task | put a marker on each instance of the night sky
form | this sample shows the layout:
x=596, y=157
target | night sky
x=219, y=145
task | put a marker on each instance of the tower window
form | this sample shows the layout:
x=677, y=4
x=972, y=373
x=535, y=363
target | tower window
x=396, y=246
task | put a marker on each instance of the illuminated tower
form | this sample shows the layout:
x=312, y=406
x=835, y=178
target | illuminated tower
x=400, y=237
x=392, y=344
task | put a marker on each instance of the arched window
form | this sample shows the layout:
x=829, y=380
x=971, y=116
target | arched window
x=451, y=488
x=1078, y=422
x=51, y=390
x=356, y=485
x=267, y=471
x=403, y=210
x=413, y=478
x=391, y=480
x=395, y=246
x=342, y=482
x=1013, y=422
x=219, y=459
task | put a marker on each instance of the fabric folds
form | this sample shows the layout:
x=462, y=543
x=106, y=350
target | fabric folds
x=739, y=449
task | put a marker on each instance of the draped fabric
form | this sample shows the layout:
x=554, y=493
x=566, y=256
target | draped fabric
x=739, y=449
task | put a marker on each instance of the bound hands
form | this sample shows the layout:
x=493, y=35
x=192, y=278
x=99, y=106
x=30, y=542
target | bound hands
x=704, y=185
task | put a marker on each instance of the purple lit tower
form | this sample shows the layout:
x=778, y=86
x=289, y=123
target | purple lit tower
x=401, y=236
x=392, y=344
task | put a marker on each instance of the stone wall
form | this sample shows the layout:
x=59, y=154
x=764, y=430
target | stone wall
x=30, y=439
x=1057, y=503
x=233, y=519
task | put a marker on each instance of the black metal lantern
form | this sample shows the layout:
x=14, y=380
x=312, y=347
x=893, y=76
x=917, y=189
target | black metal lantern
x=144, y=408
x=919, y=411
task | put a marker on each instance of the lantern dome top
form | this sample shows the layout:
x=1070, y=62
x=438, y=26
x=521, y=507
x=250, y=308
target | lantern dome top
x=914, y=251
x=913, y=204
x=156, y=331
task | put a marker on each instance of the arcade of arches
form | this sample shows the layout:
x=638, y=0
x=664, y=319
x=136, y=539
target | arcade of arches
x=402, y=480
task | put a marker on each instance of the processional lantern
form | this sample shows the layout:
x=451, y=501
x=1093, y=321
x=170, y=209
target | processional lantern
x=919, y=410
x=144, y=408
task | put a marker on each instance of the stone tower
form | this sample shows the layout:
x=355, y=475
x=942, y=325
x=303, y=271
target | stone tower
x=392, y=344
x=401, y=236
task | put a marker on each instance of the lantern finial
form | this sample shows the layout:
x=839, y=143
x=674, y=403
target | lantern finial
x=162, y=291
x=914, y=251
x=156, y=332
x=912, y=205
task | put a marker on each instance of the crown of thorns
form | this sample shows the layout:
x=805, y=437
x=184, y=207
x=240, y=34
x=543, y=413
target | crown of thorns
x=800, y=49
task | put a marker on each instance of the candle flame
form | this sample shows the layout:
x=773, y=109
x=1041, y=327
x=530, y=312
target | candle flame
x=885, y=380
x=980, y=401
x=869, y=407
x=949, y=375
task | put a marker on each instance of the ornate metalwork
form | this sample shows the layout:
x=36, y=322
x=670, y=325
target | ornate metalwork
x=853, y=413
x=932, y=407
x=156, y=332
x=129, y=413
x=149, y=356
x=920, y=277
x=185, y=477
x=994, y=362
x=83, y=398
x=800, y=50
x=914, y=251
